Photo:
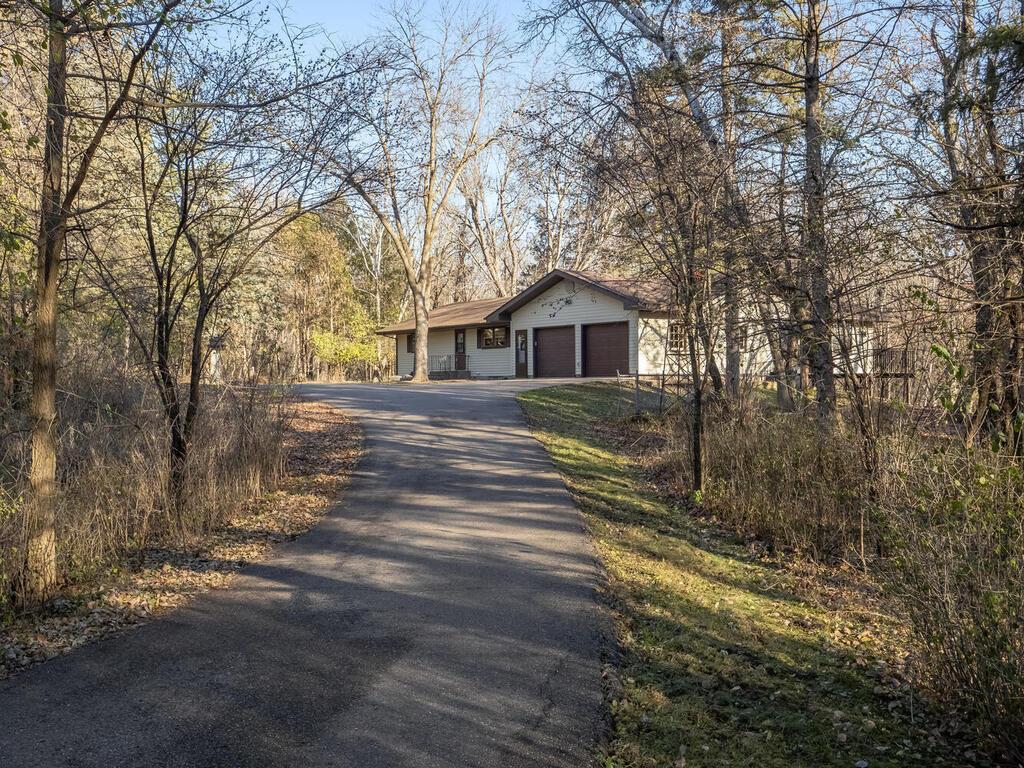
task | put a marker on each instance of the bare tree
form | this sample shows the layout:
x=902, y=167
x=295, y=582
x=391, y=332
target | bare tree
x=228, y=148
x=668, y=189
x=675, y=40
x=428, y=116
x=123, y=38
x=496, y=206
x=965, y=164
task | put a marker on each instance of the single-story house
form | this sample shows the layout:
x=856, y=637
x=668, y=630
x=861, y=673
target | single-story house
x=566, y=324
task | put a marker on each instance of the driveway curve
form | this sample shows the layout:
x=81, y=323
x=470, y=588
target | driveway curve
x=443, y=614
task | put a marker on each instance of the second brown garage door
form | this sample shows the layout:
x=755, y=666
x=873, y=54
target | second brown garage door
x=554, y=351
x=605, y=349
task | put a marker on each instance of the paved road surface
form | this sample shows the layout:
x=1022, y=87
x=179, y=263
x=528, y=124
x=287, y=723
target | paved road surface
x=443, y=615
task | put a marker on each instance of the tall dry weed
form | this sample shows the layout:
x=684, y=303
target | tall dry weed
x=954, y=532
x=781, y=480
x=114, y=498
x=941, y=526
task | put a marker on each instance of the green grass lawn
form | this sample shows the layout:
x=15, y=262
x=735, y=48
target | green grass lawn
x=723, y=661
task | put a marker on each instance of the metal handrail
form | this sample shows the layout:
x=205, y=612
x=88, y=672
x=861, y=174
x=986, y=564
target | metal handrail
x=448, y=363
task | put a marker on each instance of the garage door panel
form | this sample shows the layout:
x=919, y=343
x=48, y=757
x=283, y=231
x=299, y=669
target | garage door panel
x=605, y=349
x=555, y=351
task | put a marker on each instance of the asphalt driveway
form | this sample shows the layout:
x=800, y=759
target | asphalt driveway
x=442, y=615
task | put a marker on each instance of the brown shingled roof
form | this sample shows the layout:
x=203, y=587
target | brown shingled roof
x=466, y=314
x=649, y=295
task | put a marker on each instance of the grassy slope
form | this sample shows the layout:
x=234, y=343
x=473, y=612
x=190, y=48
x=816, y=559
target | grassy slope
x=723, y=662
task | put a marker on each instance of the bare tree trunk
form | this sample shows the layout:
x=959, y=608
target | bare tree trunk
x=14, y=380
x=731, y=297
x=733, y=355
x=421, y=365
x=782, y=363
x=709, y=351
x=820, y=321
x=183, y=426
x=55, y=205
x=41, y=553
x=166, y=383
x=785, y=352
x=696, y=421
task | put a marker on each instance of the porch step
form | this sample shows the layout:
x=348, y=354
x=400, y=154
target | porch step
x=442, y=375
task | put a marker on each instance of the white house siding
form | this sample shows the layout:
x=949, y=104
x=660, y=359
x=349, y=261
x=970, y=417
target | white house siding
x=570, y=302
x=438, y=343
x=859, y=343
x=653, y=345
x=484, y=363
x=756, y=360
x=489, y=363
x=403, y=360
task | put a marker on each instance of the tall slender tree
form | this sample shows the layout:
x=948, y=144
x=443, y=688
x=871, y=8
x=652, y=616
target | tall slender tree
x=227, y=147
x=124, y=36
x=429, y=115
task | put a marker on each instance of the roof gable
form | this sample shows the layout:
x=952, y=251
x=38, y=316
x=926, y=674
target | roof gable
x=645, y=295
x=630, y=293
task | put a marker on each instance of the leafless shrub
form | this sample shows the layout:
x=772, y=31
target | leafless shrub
x=780, y=480
x=941, y=525
x=114, y=492
x=955, y=535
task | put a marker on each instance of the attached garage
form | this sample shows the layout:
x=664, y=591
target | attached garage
x=605, y=349
x=566, y=324
x=554, y=351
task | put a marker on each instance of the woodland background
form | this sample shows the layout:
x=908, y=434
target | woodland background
x=198, y=199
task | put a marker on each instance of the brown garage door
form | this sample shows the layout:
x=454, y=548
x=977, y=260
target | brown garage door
x=554, y=351
x=605, y=349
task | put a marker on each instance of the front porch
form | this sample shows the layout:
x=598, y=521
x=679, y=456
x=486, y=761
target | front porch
x=455, y=365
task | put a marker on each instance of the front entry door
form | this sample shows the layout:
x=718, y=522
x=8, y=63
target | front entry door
x=522, y=371
x=460, y=350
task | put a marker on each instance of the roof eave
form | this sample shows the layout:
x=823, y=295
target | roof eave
x=504, y=312
x=445, y=327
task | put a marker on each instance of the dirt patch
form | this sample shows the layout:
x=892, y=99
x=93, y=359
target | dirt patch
x=323, y=445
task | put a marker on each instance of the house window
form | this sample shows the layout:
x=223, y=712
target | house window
x=410, y=343
x=676, y=337
x=492, y=338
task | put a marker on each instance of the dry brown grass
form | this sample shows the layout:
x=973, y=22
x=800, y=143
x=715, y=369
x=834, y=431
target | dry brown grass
x=939, y=529
x=783, y=482
x=114, y=496
x=318, y=446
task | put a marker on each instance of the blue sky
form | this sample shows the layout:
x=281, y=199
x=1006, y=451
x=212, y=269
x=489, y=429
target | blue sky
x=352, y=20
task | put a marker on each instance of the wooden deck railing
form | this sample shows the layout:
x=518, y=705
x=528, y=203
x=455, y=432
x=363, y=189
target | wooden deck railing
x=893, y=361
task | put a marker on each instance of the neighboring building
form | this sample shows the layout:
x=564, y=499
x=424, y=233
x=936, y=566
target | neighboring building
x=567, y=324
